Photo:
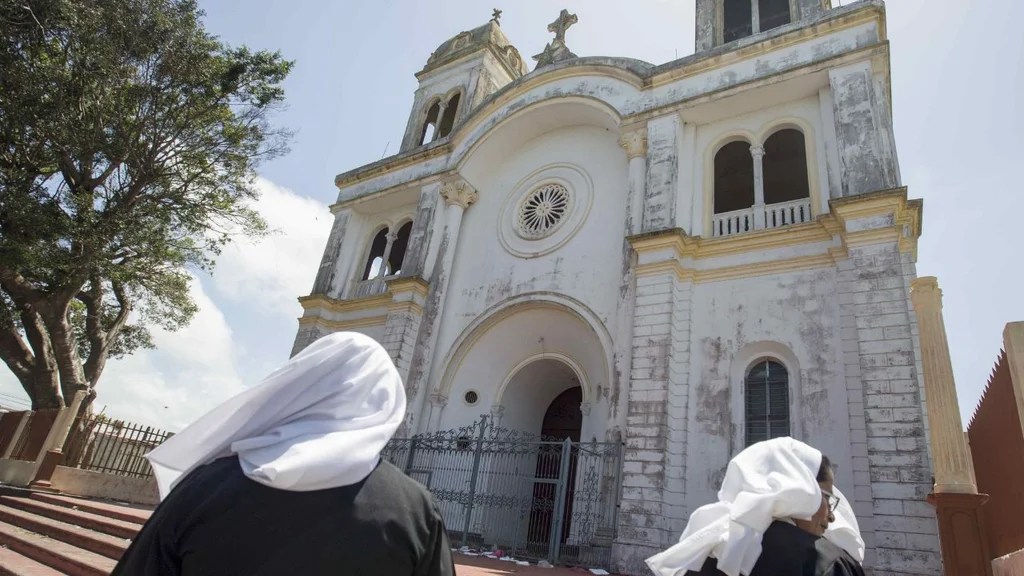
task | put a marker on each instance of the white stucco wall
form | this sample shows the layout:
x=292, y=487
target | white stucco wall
x=585, y=268
x=790, y=317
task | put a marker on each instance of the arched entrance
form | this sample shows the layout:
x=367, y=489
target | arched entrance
x=562, y=420
x=537, y=398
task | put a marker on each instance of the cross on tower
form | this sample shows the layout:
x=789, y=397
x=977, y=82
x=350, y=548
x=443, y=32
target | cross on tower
x=565, y=20
x=496, y=16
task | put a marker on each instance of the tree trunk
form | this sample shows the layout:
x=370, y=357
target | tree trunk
x=65, y=350
x=45, y=387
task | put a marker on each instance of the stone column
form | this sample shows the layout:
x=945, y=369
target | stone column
x=757, y=152
x=1013, y=344
x=957, y=502
x=949, y=450
x=441, y=106
x=635, y=144
x=497, y=414
x=390, y=242
x=437, y=405
x=458, y=196
x=755, y=15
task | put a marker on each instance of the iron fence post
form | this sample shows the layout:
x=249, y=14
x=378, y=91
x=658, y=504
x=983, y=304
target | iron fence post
x=477, y=453
x=412, y=455
x=561, y=493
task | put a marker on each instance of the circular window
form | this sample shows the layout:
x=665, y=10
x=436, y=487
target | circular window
x=471, y=397
x=545, y=210
x=542, y=210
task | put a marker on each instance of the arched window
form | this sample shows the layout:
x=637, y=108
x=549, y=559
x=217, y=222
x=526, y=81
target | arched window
x=739, y=20
x=430, y=124
x=397, y=255
x=375, y=259
x=734, y=177
x=445, y=127
x=785, y=167
x=773, y=13
x=766, y=401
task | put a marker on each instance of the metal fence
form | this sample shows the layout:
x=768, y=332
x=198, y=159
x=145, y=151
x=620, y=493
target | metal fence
x=112, y=446
x=531, y=497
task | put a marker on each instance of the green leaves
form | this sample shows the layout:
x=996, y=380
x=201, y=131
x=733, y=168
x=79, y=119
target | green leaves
x=129, y=138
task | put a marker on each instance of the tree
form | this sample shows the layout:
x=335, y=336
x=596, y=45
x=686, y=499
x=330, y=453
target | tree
x=129, y=137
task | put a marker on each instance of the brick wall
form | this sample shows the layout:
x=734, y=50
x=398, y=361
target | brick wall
x=997, y=448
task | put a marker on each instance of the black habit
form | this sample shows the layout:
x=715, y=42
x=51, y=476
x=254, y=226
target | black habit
x=790, y=551
x=218, y=522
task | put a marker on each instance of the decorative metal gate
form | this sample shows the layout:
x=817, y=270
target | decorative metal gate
x=529, y=496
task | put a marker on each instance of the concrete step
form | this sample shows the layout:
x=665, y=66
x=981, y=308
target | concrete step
x=103, y=544
x=14, y=564
x=61, y=556
x=88, y=520
x=110, y=510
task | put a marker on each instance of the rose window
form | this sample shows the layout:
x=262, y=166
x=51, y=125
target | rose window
x=543, y=210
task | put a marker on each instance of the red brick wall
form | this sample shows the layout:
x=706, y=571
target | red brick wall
x=997, y=448
x=36, y=431
x=8, y=426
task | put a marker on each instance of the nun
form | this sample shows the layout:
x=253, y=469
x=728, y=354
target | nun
x=286, y=478
x=778, y=512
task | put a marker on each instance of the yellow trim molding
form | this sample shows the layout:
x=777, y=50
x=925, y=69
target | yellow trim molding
x=418, y=286
x=830, y=229
x=320, y=301
x=339, y=325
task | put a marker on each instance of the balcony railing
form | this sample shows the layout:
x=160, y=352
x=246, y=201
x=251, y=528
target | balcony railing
x=774, y=216
x=787, y=213
x=371, y=287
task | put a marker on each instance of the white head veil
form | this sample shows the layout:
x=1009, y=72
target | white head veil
x=769, y=480
x=844, y=531
x=318, y=422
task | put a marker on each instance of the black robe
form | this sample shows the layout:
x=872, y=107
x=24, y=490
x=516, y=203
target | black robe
x=789, y=551
x=218, y=522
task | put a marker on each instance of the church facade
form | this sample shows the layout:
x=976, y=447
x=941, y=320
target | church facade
x=699, y=254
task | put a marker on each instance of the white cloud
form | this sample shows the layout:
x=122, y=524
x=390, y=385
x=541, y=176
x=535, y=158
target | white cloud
x=275, y=270
x=190, y=371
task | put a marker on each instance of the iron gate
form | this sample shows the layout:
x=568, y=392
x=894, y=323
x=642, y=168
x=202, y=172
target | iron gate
x=529, y=496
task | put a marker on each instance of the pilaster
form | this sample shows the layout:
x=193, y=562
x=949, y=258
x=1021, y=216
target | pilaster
x=891, y=468
x=635, y=145
x=422, y=231
x=458, y=195
x=862, y=130
x=662, y=172
x=403, y=321
x=651, y=514
x=329, y=279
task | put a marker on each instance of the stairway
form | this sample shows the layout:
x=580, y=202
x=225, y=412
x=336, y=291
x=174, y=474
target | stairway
x=44, y=534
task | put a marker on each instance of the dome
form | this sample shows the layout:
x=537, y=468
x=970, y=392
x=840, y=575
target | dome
x=487, y=36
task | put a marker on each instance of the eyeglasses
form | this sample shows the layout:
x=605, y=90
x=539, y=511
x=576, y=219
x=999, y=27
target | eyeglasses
x=833, y=500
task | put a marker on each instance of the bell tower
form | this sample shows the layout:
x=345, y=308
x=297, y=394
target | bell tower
x=459, y=75
x=720, y=22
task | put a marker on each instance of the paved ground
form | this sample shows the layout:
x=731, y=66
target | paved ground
x=476, y=566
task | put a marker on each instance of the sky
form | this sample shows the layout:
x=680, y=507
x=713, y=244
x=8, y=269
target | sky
x=956, y=77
